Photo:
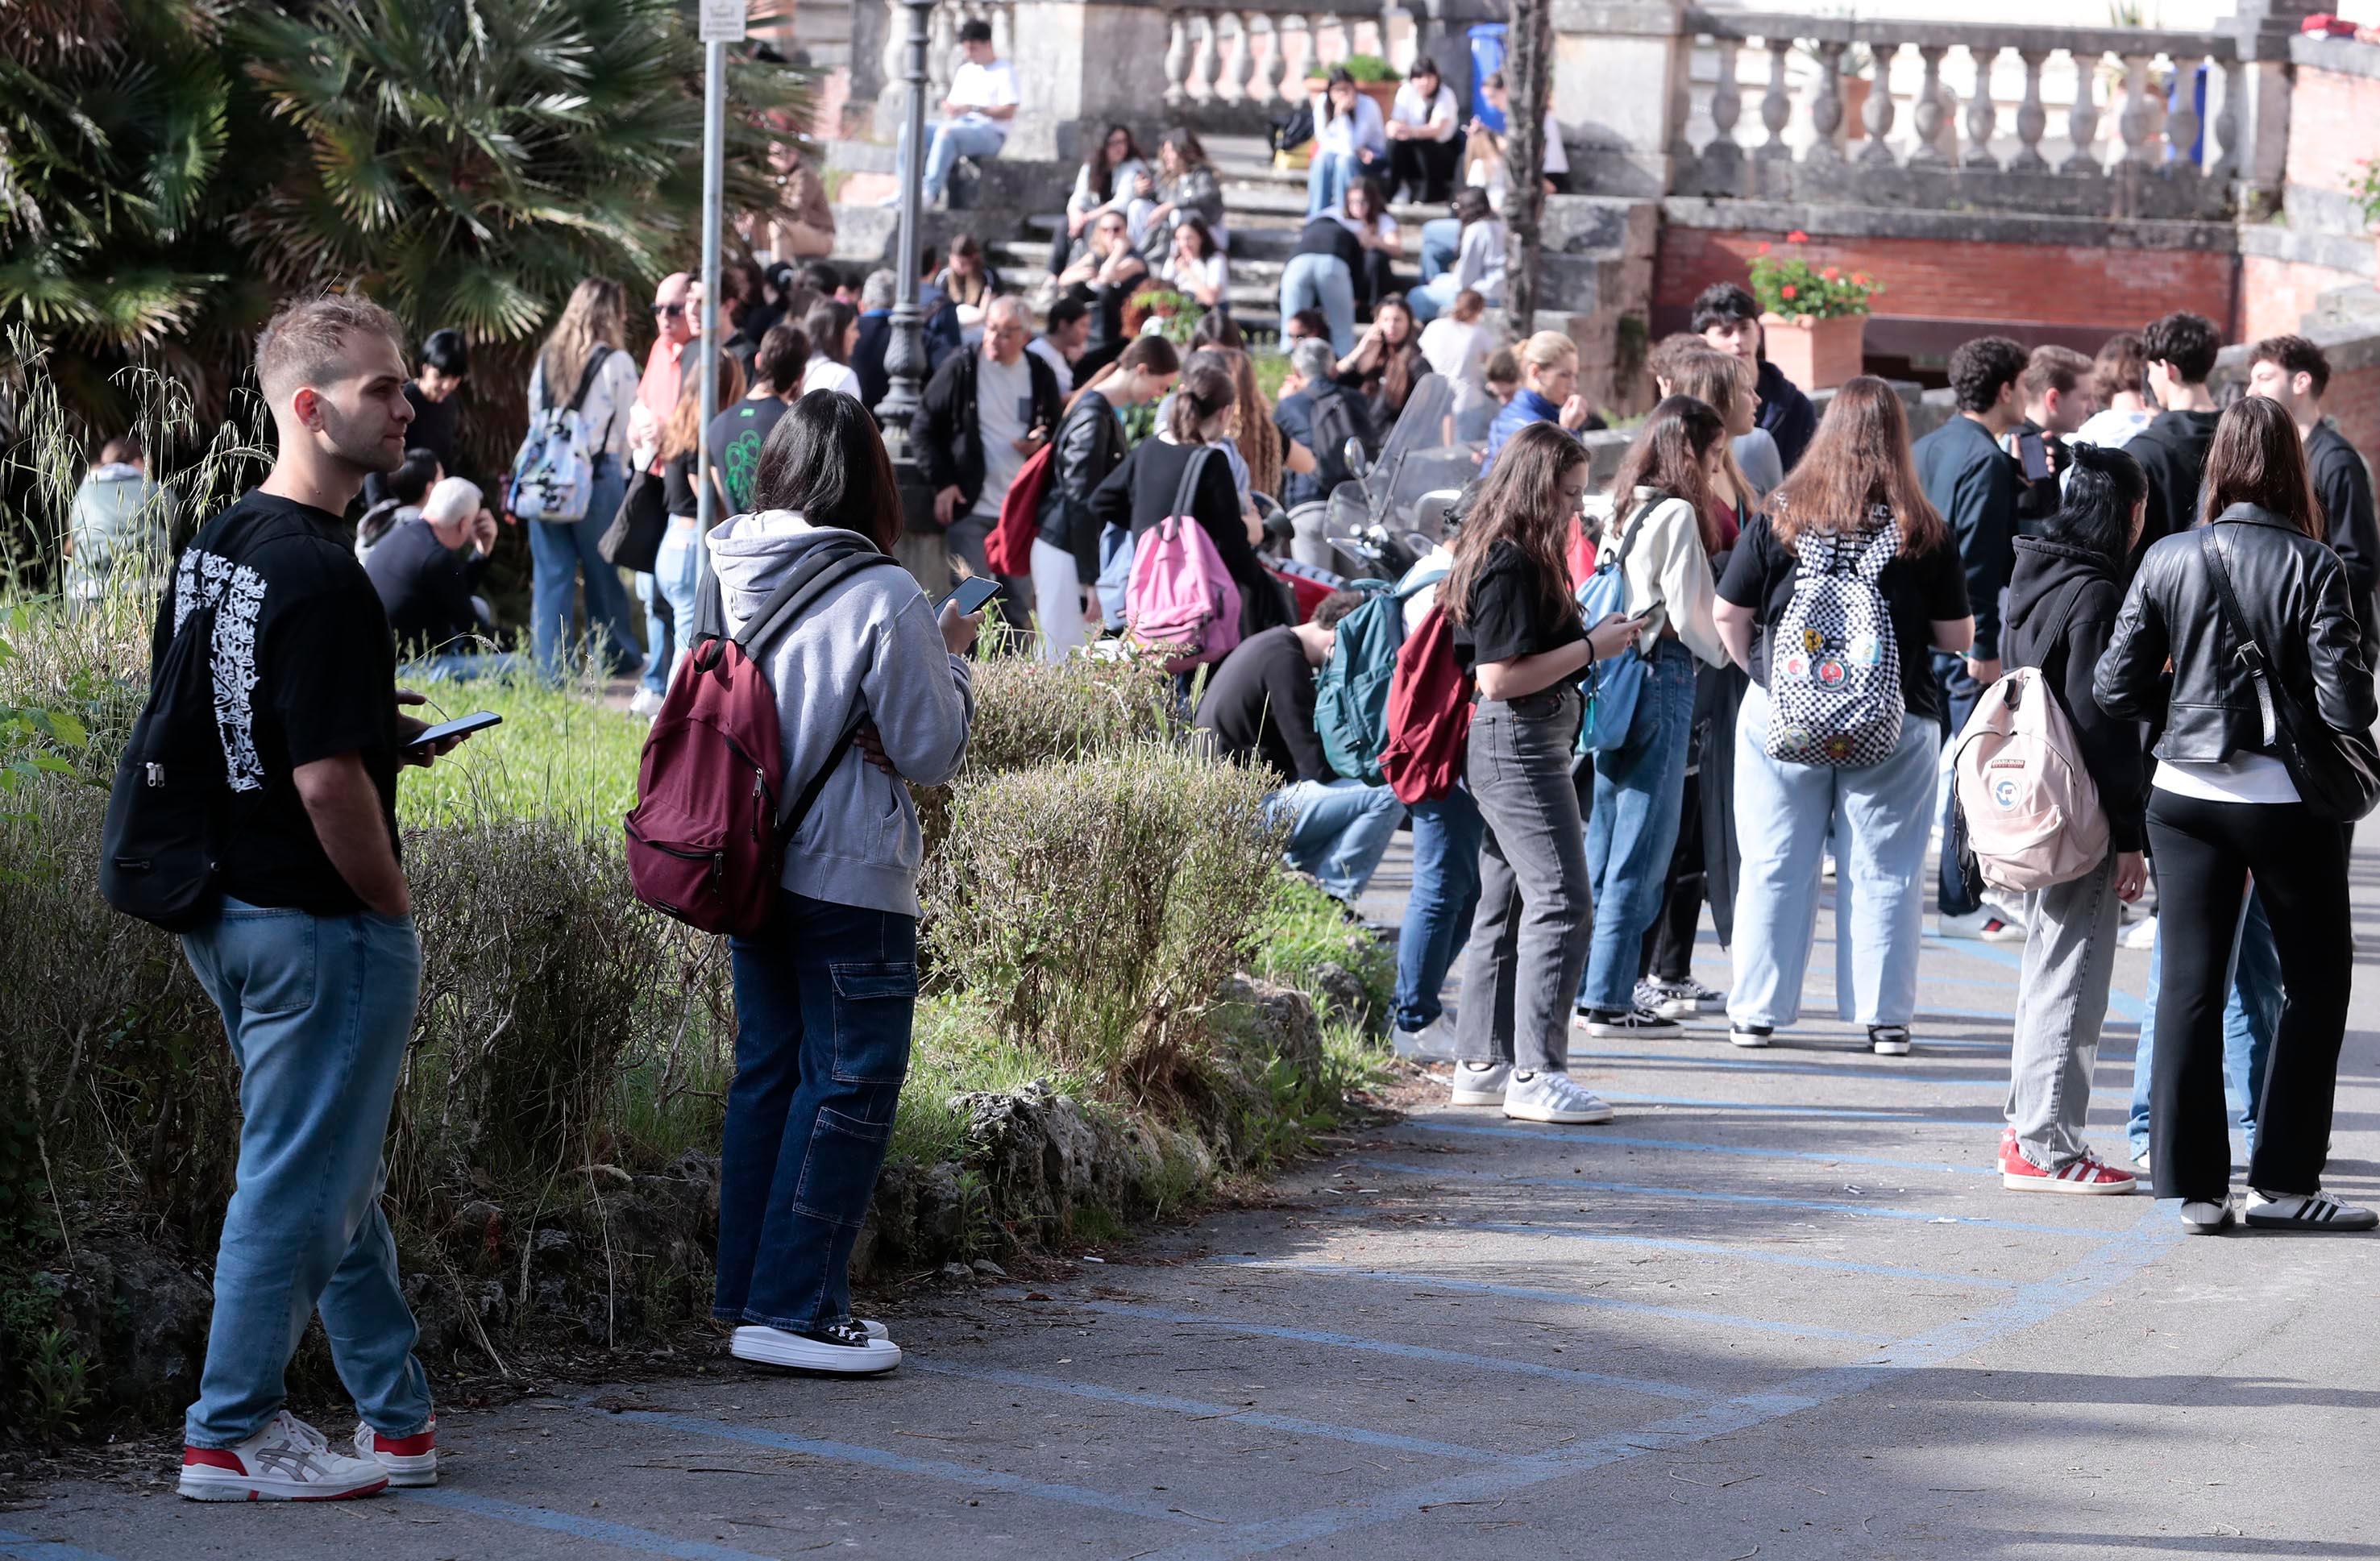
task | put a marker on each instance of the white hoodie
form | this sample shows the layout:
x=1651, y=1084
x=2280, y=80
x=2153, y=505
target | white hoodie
x=1669, y=576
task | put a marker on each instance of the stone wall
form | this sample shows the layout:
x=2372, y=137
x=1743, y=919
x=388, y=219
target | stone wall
x=2334, y=129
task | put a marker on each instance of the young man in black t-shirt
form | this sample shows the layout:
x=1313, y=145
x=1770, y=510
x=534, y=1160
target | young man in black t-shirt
x=1260, y=708
x=311, y=955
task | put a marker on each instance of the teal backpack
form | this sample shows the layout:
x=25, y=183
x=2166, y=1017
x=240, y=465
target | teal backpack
x=1351, y=693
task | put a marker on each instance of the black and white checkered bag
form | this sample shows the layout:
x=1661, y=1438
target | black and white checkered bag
x=1834, y=668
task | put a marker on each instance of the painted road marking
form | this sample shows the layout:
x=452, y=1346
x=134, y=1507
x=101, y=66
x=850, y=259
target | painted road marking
x=25, y=1547
x=620, y=1534
x=1573, y=1137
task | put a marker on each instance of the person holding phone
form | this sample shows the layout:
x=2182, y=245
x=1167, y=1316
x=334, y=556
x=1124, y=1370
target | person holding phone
x=1517, y=633
x=874, y=688
x=985, y=413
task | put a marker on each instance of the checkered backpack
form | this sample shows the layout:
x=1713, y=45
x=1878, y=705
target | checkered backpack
x=1834, y=670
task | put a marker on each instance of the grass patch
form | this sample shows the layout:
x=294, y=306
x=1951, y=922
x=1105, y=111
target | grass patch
x=954, y=1049
x=561, y=754
x=1302, y=930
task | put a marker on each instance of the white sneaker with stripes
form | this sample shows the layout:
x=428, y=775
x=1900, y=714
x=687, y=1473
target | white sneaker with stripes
x=1553, y=1097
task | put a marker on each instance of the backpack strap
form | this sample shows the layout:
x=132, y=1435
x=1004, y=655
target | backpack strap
x=2251, y=654
x=595, y=361
x=820, y=569
x=1186, y=491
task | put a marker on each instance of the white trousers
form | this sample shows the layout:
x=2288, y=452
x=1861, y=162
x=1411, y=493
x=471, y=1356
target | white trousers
x=1057, y=601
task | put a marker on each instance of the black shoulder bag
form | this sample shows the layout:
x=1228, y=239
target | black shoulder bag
x=2337, y=773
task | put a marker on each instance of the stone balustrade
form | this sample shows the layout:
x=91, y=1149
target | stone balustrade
x=1769, y=114
x=1261, y=55
x=943, y=56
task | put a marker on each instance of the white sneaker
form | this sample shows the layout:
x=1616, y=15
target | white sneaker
x=2142, y=934
x=2204, y=1218
x=1889, y=1040
x=1987, y=925
x=2290, y=1211
x=1553, y=1097
x=1678, y=999
x=847, y=1348
x=411, y=1462
x=1749, y=1036
x=2010, y=911
x=644, y=703
x=288, y=1460
x=1479, y=1083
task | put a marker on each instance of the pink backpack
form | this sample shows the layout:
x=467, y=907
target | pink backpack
x=2032, y=811
x=707, y=837
x=1181, y=597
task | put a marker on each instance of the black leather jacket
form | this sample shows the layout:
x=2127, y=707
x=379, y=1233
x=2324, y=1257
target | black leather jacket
x=1090, y=445
x=2294, y=595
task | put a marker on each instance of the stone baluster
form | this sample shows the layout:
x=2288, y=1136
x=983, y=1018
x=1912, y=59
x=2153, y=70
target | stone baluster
x=2223, y=142
x=1982, y=115
x=1929, y=111
x=939, y=63
x=2182, y=124
x=1776, y=106
x=1177, y=59
x=1003, y=31
x=2032, y=118
x=1726, y=97
x=1299, y=30
x=1271, y=75
x=1241, y=68
x=2083, y=119
x=1876, y=118
x=1827, y=106
x=1335, y=35
x=2137, y=122
x=1201, y=85
x=1401, y=58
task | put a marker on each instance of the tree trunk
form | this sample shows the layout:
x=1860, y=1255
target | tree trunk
x=1529, y=72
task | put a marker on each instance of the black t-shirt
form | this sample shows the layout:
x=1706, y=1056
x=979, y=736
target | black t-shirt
x=437, y=426
x=305, y=670
x=1918, y=591
x=1510, y=615
x=1260, y=706
x=426, y=587
x=678, y=486
x=1326, y=235
x=736, y=436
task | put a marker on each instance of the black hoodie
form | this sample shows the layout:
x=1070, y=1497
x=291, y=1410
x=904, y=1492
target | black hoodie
x=2172, y=450
x=1786, y=413
x=2063, y=605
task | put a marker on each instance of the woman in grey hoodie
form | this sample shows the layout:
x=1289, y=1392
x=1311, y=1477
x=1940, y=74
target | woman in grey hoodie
x=825, y=994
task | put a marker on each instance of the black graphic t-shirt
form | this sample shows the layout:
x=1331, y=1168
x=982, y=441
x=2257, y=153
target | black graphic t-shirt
x=736, y=436
x=305, y=668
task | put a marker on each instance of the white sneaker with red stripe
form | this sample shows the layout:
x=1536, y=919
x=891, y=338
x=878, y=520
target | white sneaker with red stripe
x=2087, y=1173
x=288, y=1460
x=411, y=1461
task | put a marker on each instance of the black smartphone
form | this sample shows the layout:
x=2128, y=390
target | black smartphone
x=2032, y=455
x=459, y=726
x=972, y=593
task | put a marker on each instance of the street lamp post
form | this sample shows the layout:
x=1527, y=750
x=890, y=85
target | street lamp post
x=905, y=349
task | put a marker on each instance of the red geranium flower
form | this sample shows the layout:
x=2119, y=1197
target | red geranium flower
x=1761, y=250
x=1788, y=290
x=1797, y=236
x=1859, y=278
x=1832, y=274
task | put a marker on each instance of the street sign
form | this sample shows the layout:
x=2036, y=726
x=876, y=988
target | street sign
x=723, y=20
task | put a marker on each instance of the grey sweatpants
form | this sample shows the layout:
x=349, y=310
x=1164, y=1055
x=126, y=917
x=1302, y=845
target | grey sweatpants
x=2062, y=1000
x=1530, y=934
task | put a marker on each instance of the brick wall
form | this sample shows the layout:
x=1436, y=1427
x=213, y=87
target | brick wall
x=2354, y=400
x=2274, y=296
x=2331, y=120
x=2063, y=290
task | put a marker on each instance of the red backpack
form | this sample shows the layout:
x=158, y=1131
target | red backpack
x=707, y=837
x=1008, y=547
x=1429, y=714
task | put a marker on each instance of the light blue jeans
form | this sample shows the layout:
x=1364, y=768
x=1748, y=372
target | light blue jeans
x=1342, y=830
x=316, y=1009
x=1433, y=297
x=2251, y=1015
x=1633, y=827
x=461, y=666
x=1321, y=281
x=1880, y=816
x=660, y=636
x=1446, y=836
x=559, y=552
x=1327, y=178
x=946, y=142
x=1442, y=240
x=677, y=578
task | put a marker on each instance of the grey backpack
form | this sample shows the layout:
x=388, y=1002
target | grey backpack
x=1834, y=669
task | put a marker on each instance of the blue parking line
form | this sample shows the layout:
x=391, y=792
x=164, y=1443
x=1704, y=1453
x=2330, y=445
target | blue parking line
x=620, y=1534
x=1765, y=1109
x=1572, y=1136
x=1898, y=1074
x=902, y=1463
x=1735, y=1251
x=25, y=1547
x=1560, y=1298
x=1746, y=1200
x=1502, y=1364
x=2124, y=1003
x=1295, y=1425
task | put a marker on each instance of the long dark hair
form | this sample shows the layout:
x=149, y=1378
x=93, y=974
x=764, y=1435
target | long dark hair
x=2103, y=488
x=1099, y=170
x=2257, y=458
x=1857, y=459
x=1668, y=455
x=826, y=325
x=1515, y=505
x=825, y=458
x=1205, y=389
x=1340, y=75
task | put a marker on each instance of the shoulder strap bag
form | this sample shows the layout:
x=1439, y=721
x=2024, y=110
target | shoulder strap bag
x=2337, y=773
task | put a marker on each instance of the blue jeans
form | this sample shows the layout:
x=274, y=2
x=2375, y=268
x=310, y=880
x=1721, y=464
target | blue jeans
x=660, y=636
x=1321, y=281
x=460, y=666
x=1639, y=787
x=2251, y=1015
x=677, y=578
x=1960, y=694
x=1784, y=814
x=316, y=1009
x=1442, y=240
x=824, y=997
x=946, y=142
x=558, y=551
x=1446, y=836
x=1342, y=830
x=1327, y=178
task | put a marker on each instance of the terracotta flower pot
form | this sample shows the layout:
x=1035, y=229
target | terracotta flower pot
x=1816, y=353
x=1381, y=93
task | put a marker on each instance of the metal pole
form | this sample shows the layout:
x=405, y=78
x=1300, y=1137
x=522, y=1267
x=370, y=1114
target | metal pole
x=905, y=350
x=715, y=136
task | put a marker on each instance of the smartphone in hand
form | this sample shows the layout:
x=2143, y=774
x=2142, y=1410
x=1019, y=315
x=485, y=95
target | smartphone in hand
x=972, y=593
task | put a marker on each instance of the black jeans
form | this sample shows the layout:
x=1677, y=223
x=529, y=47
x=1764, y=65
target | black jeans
x=1428, y=167
x=1960, y=693
x=1669, y=942
x=1375, y=280
x=2204, y=853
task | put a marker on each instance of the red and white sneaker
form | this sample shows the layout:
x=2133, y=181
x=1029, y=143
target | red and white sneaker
x=410, y=1461
x=2087, y=1173
x=288, y=1460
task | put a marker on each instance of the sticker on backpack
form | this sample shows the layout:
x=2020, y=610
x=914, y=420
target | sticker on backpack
x=1837, y=700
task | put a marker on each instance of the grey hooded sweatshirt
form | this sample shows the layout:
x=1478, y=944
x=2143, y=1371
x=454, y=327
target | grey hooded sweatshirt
x=871, y=645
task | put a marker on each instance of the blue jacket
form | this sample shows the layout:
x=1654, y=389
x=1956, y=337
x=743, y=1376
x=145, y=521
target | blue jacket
x=1526, y=407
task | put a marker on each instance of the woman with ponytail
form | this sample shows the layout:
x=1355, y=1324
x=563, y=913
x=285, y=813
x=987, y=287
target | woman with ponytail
x=1090, y=445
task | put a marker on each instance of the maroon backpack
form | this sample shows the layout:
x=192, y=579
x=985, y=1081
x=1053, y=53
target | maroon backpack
x=707, y=837
x=1429, y=714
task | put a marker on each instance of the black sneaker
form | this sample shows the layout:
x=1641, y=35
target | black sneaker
x=1889, y=1040
x=1750, y=1035
x=1612, y=1023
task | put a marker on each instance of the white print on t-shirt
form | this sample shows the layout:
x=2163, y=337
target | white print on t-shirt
x=237, y=593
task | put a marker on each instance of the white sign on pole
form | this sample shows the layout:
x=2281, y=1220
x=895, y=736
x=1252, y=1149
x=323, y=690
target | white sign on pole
x=723, y=20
